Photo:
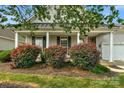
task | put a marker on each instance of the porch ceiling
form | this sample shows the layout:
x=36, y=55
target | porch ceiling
x=50, y=33
x=90, y=34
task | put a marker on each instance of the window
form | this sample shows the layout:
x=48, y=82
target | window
x=64, y=41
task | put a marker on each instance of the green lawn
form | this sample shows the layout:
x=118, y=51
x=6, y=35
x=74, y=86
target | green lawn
x=48, y=81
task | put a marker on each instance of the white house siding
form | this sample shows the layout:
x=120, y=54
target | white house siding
x=99, y=40
x=6, y=44
x=73, y=40
x=118, y=38
x=118, y=45
x=29, y=39
x=53, y=40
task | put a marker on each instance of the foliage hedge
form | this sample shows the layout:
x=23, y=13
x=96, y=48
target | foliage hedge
x=55, y=56
x=85, y=56
x=25, y=55
x=5, y=56
x=43, y=57
x=100, y=69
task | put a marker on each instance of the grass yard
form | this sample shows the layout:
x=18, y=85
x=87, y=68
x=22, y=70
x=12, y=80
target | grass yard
x=49, y=81
x=47, y=77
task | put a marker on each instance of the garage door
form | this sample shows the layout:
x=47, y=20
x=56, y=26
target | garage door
x=118, y=51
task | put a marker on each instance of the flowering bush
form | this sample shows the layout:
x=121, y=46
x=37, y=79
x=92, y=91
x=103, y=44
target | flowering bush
x=85, y=55
x=25, y=55
x=43, y=57
x=55, y=56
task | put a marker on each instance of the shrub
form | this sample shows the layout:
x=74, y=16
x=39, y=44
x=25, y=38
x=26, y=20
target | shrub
x=55, y=56
x=100, y=69
x=43, y=57
x=5, y=56
x=25, y=55
x=85, y=55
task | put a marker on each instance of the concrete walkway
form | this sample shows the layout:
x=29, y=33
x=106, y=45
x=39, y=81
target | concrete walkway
x=117, y=66
x=116, y=70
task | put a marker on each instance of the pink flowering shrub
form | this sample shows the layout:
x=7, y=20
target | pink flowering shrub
x=25, y=55
x=85, y=56
x=55, y=56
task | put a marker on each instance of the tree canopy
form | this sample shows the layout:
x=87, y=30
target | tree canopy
x=69, y=17
x=2, y=19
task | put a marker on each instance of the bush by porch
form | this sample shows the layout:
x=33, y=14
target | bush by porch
x=84, y=56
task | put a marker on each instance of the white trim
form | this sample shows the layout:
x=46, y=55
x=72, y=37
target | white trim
x=44, y=31
x=78, y=37
x=54, y=31
x=116, y=43
x=16, y=40
x=111, y=47
x=30, y=18
x=47, y=39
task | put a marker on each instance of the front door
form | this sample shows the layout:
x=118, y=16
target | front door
x=39, y=41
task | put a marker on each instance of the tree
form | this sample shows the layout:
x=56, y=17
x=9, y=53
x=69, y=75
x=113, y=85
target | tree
x=2, y=20
x=86, y=18
x=83, y=18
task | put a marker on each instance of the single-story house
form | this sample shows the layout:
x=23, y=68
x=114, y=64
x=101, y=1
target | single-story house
x=7, y=39
x=109, y=42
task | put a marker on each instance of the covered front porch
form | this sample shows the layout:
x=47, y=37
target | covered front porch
x=48, y=38
x=45, y=39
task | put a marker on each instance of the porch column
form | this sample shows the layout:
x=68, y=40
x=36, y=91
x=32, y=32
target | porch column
x=26, y=39
x=16, y=39
x=47, y=39
x=78, y=37
x=111, y=47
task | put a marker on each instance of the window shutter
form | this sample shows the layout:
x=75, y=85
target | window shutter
x=44, y=42
x=33, y=40
x=58, y=40
x=69, y=41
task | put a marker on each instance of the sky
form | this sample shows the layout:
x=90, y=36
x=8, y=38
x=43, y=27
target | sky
x=121, y=10
x=106, y=11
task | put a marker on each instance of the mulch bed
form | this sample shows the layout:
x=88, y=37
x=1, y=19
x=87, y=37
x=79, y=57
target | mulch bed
x=43, y=70
x=9, y=84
